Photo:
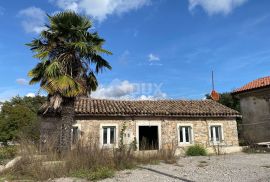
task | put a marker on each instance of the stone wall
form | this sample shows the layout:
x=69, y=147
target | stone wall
x=255, y=109
x=50, y=132
x=168, y=133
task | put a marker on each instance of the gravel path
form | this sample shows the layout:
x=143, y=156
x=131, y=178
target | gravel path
x=237, y=167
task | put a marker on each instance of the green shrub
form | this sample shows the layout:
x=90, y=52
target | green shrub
x=7, y=152
x=97, y=174
x=196, y=150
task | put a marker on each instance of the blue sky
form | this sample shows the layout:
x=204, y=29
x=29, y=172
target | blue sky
x=161, y=48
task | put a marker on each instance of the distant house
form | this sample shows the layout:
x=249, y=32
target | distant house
x=255, y=109
x=151, y=125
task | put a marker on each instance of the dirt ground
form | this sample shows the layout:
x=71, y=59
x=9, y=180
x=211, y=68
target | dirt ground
x=236, y=167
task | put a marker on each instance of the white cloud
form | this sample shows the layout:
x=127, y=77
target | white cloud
x=30, y=95
x=22, y=81
x=152, y=57
x=101, y=9
x=124, y=90
x=216, y=6
x=151, y=97
x=33, y=19
x=116, y=89
x=155, y=64
x=67, y=4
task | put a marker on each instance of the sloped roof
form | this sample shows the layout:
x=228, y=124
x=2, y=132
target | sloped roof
x=180, y=108
x=255, y=84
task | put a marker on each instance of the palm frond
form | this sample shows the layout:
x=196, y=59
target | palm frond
x=53, y=70
x=68, y=52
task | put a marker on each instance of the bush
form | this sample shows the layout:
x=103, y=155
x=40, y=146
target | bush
x=18, y=118
x=93, y=175
x=7, y=152
x=196, y=150
x=168, y=154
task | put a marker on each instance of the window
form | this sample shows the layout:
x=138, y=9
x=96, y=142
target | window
x=216, y=134
x=109, y=135
x=75, y=134
x=185, y=134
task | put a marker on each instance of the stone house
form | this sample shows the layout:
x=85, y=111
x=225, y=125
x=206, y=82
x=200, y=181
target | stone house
x=153, y=125
x=255, y=109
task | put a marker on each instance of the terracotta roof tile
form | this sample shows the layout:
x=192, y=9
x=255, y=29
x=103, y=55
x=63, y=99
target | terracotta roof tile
x=183, y=108
x=259, y=83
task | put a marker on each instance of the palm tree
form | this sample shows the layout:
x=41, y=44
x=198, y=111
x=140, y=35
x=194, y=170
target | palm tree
x=70, y=57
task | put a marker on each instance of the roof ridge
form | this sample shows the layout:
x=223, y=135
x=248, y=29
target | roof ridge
x=154, y=100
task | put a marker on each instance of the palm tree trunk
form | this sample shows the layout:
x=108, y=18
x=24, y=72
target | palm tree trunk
x=67, y=120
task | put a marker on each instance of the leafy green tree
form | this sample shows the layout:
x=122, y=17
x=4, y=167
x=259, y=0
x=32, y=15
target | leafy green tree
x=70, y=57
x=33, y=103
x=18, y=117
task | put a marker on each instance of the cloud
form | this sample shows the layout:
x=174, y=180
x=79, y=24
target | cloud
x=22, y=81
x=116, y=89
x=67, y=4
x=154, y=60
x=151, y=97
x=254, y=22
x=125, y=90
x=216, y=6
x=155, y=64
x=101, y=9
x=30, y=95
x=33, y=19
x=152, y=57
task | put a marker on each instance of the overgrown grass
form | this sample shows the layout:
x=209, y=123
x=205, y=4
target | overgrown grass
x=251, y=146
x=256, y=149
x=94, y=174
x=196, y=150
x=84, y=161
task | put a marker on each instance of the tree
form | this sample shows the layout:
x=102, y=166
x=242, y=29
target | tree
x=70, y=57
x=18, y=117
x=228, y=100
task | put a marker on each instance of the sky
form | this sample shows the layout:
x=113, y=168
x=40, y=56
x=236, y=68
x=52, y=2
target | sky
x=162, y=49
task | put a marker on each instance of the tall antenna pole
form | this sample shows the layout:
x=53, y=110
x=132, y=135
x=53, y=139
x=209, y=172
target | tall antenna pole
x=214, y=94
x=213, y=85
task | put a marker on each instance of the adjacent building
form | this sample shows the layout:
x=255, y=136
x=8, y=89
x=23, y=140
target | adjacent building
x=255, y=109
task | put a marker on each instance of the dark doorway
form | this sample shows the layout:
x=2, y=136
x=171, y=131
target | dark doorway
x=148, y=138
